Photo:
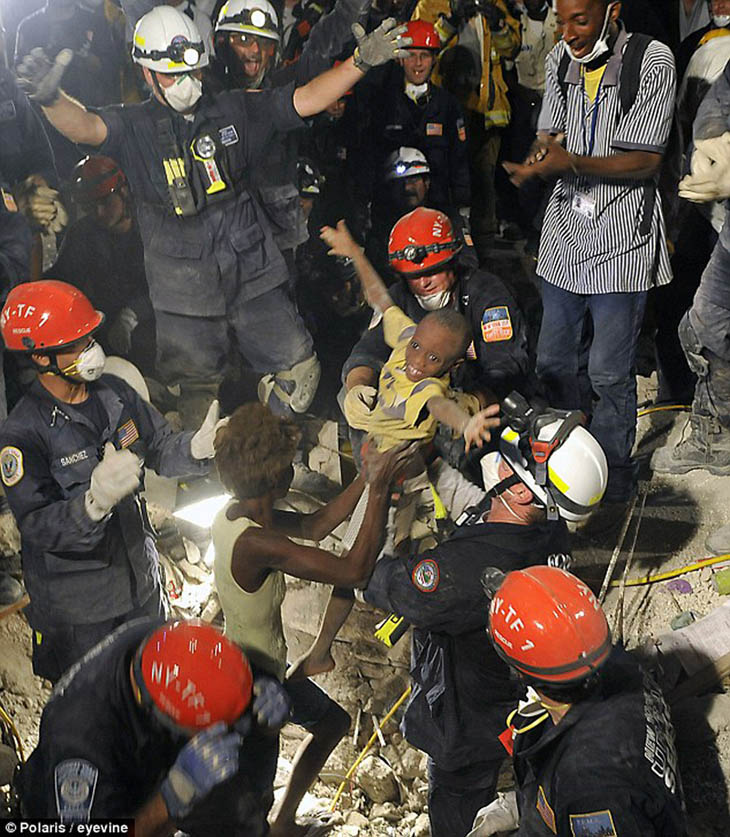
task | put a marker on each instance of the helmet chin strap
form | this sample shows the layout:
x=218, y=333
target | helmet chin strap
x=54, y=369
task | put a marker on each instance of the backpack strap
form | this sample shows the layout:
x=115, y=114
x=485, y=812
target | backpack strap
x=628, y=88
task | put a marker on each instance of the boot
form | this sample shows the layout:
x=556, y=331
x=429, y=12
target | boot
x=707, y=447
x=10, y=590
x=718, y=543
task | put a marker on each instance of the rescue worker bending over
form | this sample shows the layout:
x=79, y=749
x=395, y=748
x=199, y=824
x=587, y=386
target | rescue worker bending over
x=462, y=691
x=72, y=454
x=593, y=741
x=119, y=737
x=212, y=264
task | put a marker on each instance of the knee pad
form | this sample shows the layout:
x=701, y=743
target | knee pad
x=692, y=347
x=295, y=387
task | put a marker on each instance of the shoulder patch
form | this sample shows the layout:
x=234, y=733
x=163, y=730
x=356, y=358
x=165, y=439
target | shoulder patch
x=11, y=465
x=75, y=784
x=426, y=575
x=496, y=324
x=434, y=129
x=228, y=135
x=545, y=811
x=127, y=434
x=596, y=824
x=461, y=129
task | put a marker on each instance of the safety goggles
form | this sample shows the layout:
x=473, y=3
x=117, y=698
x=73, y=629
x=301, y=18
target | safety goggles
x=180, y=51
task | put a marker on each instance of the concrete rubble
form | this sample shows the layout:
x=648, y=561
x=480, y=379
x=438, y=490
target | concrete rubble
x=388, y=793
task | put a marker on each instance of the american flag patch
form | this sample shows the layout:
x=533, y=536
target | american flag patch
x=128, y=434
x=434, y=129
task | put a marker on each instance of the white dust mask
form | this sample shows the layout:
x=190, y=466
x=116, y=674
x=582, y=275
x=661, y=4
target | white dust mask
x=601, y=45
x=432, y=302
x=89, y=365
x=184, y=93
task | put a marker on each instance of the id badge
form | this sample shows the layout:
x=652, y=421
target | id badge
x=584, y=204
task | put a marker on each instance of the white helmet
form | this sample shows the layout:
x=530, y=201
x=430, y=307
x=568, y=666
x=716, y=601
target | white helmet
x=560, y=462
x=167, y=41
x=406, y=162
x=257, y=17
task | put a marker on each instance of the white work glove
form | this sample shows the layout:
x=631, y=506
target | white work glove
x=41, y=204
x=358, y=406
x=202, y=445
x=120, y=331
x=500, y=815
x=114, y=478
x=710, y=178
x=381, y=45
x=39, y=77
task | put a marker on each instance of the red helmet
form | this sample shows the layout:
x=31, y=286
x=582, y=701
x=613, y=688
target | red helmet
x=546, y=624
x=96, y=177
x=46, y=315
x=192, y=676
x=423, y=241
x=423, y=35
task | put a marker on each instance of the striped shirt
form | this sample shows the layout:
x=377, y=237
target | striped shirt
x=606, y=253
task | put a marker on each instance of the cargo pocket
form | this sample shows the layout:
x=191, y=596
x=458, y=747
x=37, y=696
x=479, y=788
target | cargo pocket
x=249, y=245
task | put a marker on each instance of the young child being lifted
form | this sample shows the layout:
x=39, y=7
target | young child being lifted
x=413, y=397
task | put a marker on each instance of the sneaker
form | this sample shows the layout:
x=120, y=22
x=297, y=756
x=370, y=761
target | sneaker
x=10, y=590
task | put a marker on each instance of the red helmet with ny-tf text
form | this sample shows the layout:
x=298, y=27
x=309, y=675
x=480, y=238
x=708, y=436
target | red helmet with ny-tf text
x=96, y=177
x=46, y=315
x=423, y=35
x=192, y=676
x=545, y=623
x=421, y=242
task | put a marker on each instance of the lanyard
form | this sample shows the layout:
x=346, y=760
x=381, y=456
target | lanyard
x=594, y=119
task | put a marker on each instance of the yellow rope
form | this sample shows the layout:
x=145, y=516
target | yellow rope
x=9, y=721
x=662, y=408
x=698, y=565
x=366, y=748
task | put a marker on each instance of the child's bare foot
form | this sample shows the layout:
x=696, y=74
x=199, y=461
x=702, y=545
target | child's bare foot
x=311, y=663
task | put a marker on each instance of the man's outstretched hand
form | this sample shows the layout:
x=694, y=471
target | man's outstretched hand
x=39, y=77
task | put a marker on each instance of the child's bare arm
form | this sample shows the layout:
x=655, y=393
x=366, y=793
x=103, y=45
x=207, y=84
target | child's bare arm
x=341, y=243
x=475, y=429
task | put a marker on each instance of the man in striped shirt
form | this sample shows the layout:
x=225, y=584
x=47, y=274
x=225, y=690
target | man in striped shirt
x=603, y=240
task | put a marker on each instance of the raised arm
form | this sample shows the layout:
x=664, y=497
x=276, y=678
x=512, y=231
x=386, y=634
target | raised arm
x=314, y=527
x=273, y=550
x=341, y=243
x=41, y=80
x=380, y=46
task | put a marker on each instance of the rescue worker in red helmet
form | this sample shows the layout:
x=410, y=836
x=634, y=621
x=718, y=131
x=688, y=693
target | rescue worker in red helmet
x=402, y=107
x=163, y=723
x=423, y=250
x=593, y=742
x=72, y=459
x=102, y=255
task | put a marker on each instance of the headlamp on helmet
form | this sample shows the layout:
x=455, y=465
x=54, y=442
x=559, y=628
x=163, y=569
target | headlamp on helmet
x=554, y=455
x=180, y=51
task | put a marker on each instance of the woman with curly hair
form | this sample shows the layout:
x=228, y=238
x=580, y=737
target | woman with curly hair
x=253, y=550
